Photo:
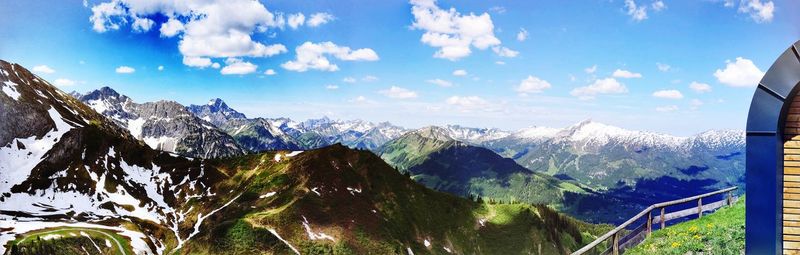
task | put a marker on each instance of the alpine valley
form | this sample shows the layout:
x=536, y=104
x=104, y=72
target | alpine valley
x=98, y=173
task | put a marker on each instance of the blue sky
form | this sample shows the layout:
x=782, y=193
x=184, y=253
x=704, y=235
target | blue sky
x=525, y=63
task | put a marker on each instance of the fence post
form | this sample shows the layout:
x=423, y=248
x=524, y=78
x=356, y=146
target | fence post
x=730, y=198
x=649, y=222
x=662, y=218
x=616, y=244
x=699, y=207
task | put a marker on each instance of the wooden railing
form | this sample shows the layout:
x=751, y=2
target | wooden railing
x=620, y=243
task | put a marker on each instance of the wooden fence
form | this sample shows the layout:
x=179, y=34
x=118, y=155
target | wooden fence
x=620, y=243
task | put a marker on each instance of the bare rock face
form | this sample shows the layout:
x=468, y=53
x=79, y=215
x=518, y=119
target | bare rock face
x=164, y=125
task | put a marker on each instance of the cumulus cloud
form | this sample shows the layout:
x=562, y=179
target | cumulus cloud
x=532, y=84
x=270, y=72
x=505, y=52
x=440, y=82
x=43, y=69
x=61, y=82
x=171, y=28
x=658, y=6
x=237, y=66
x=296, y=20
x=161, y=68
x=500, y=62
x=619, y=73
x=598, y=87
x=460, y=72
x=452, y=32
x=637, y=13
x=700, y=87
x=331, y=87
x=125, y=69
x=668, y=94
x=208, y=29
x=668, y=108
x=522, y=35
x=398, y=93
x=760, y=12
x=739, y=73
x=319, y=18
x=197, y=62
x=349, y=80
x=314, y=56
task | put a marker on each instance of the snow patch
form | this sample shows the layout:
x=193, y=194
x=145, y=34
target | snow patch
x=284, y=241
x=267, y=195
x=135, y=126
x=10, y=89
x=315, y=236
x=427, y=243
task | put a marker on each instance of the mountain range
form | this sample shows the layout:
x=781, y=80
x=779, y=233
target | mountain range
x=67, y=168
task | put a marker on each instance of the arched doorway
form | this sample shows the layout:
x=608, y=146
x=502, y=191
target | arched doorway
x=773, y=160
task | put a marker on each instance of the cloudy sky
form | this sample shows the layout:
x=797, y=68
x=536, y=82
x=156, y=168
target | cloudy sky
x=678, y=67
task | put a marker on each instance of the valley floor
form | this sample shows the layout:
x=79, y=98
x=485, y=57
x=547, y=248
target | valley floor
x=719, y=233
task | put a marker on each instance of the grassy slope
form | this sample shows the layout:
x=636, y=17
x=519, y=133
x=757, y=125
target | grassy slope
x=70, y=239
x=719, y=233
x=405, y=213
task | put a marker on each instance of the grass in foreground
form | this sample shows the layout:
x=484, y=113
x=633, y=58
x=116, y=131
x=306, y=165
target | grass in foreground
x=719, y=233
x=70, y=240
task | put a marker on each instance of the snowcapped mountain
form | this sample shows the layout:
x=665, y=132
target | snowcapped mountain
x=260, y=134
x=62, y=161
x=163, y=125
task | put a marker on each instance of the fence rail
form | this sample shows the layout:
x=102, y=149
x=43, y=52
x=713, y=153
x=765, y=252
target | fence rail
x=621, y=243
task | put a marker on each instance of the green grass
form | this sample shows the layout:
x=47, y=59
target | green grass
x=71, y=236
x=719, y=233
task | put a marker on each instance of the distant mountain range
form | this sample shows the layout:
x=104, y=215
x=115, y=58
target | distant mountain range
x=572, y=167
x=63, y=166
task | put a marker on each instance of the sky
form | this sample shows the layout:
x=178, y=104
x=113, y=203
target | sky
x=677, y=67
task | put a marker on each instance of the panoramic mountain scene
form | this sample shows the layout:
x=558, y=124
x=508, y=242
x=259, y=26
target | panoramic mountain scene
x=399, y=127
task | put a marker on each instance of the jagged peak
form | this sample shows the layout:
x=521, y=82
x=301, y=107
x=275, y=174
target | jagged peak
x=433, y=132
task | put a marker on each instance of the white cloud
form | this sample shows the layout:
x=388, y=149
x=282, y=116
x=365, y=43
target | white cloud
x=668, y=94
x=460, y=72
x=658, y=6
x=532, y=85
x=215, y=65
x=141, y=24
x=359, y=99
x=208, y=28
x=296, y=20
x=668, y=108
x=741, y=73
x=700, y=87
x=663, y=67
x=500, y=62
x=270, y=72
x=696, y=103
x=369, y=78
x=161, y=68
x=197, y=62
x=591, y=69
x=312, y=56
x=319, y=18
x=43, y=69
x=637, y=13
x=758, y=11
x=171, y=28
x=601, y=86
x=467, y=101
x=331, y=87
x=349, y=80
x=505, y=52
x=125, y=69
x=237, y=66
x=398, y=93
x=61, y=82
x=626, y=74
x=498, y=9
x=452, y=32
x=440, y=82
x=522, y=35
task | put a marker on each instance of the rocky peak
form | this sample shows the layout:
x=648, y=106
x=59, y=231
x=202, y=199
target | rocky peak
x=434, y=132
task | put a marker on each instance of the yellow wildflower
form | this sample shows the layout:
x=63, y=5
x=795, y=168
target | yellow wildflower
x=675, y=244
x=697, y=236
